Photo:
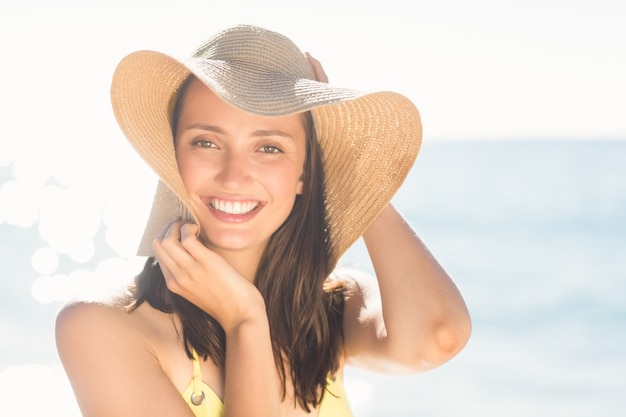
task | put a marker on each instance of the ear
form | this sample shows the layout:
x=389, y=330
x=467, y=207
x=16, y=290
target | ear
x=299, y=186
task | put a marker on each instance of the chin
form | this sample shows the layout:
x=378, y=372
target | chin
x=232, y=243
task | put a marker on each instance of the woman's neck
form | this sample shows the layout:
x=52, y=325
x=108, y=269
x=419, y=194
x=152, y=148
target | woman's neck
x=245, y=261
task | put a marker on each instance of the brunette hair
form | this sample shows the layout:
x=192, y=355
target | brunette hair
x=304, y=308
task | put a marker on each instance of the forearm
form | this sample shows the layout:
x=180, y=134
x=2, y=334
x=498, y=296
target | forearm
x=424, y=314
x=252, y=385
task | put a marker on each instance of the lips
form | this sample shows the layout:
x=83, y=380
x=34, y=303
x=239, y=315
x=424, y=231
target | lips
x=233, y=207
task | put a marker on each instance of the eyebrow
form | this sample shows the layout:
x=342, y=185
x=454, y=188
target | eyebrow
x=272, y=132
x=258, y=133
x=204, y=126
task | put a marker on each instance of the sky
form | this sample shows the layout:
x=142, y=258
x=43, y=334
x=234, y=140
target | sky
x=485, y=69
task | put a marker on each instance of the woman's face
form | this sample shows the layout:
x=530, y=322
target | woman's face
x=242, y=172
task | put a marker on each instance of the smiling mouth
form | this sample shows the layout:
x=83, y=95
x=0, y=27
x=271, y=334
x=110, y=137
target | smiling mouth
x=233, y=207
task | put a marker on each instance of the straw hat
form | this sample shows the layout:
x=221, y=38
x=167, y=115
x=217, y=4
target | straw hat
x=369, y=141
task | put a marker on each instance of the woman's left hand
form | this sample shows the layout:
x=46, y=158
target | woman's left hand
x=320, y=74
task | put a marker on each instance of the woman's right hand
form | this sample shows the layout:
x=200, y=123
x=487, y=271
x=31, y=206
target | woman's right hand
x=205, y=278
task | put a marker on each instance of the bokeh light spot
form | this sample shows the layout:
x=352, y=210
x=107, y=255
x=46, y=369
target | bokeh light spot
x=45, y=261
x=69, y=220
x=20, y=203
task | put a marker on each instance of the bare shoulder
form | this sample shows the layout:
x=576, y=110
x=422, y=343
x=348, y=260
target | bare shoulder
x=76, y=310
x=106, y=328
x=97, y=319
x=90, y=318
x=111, y=357
x=93, y=329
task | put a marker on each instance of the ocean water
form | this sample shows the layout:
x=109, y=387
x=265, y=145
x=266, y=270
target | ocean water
x=532, y=232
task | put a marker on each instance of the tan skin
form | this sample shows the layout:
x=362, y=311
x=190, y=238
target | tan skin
x=410, y=318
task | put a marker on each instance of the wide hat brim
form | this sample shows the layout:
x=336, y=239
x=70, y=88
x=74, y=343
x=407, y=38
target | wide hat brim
x=369, y=141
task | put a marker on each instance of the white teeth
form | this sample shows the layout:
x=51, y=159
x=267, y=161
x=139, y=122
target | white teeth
x=234, y=207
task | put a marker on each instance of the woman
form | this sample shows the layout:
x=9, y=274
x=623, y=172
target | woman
x=267, y=175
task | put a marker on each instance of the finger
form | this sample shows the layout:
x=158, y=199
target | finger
x=189, y=240
x=176, y=264
x=167, y=265
x=318, y=70
x=165, y=229
x=197, y=250
x=163, y=251
x=188, y=231
x=173, y=232
x=169, y=249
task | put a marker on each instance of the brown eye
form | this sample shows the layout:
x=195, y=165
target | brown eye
x=204, y=144
x=270, y=149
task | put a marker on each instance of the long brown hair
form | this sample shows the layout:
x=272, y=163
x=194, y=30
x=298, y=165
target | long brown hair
x=304, y=309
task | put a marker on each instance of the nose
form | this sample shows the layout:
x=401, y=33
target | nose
x=234, y=172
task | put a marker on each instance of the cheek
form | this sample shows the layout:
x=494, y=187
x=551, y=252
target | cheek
x=285, y=182
x=183, y=169
x=189, y=173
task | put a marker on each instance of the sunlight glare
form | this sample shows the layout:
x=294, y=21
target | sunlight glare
x=35, y=169
x=110, y=278
x=45, y=261
x=24, y=198
x=18, y=398
x=125, y=222
x=82, y=251
x=359, y=392
x=46, y=289
x=69, y=221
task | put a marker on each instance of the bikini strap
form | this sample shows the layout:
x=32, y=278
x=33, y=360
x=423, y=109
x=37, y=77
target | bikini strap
x=197, y=396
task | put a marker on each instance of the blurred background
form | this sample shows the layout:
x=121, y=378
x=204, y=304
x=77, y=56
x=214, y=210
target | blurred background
x=519, y=190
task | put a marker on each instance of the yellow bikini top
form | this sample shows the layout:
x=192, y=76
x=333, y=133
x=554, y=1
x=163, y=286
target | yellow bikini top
x=204, y=402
